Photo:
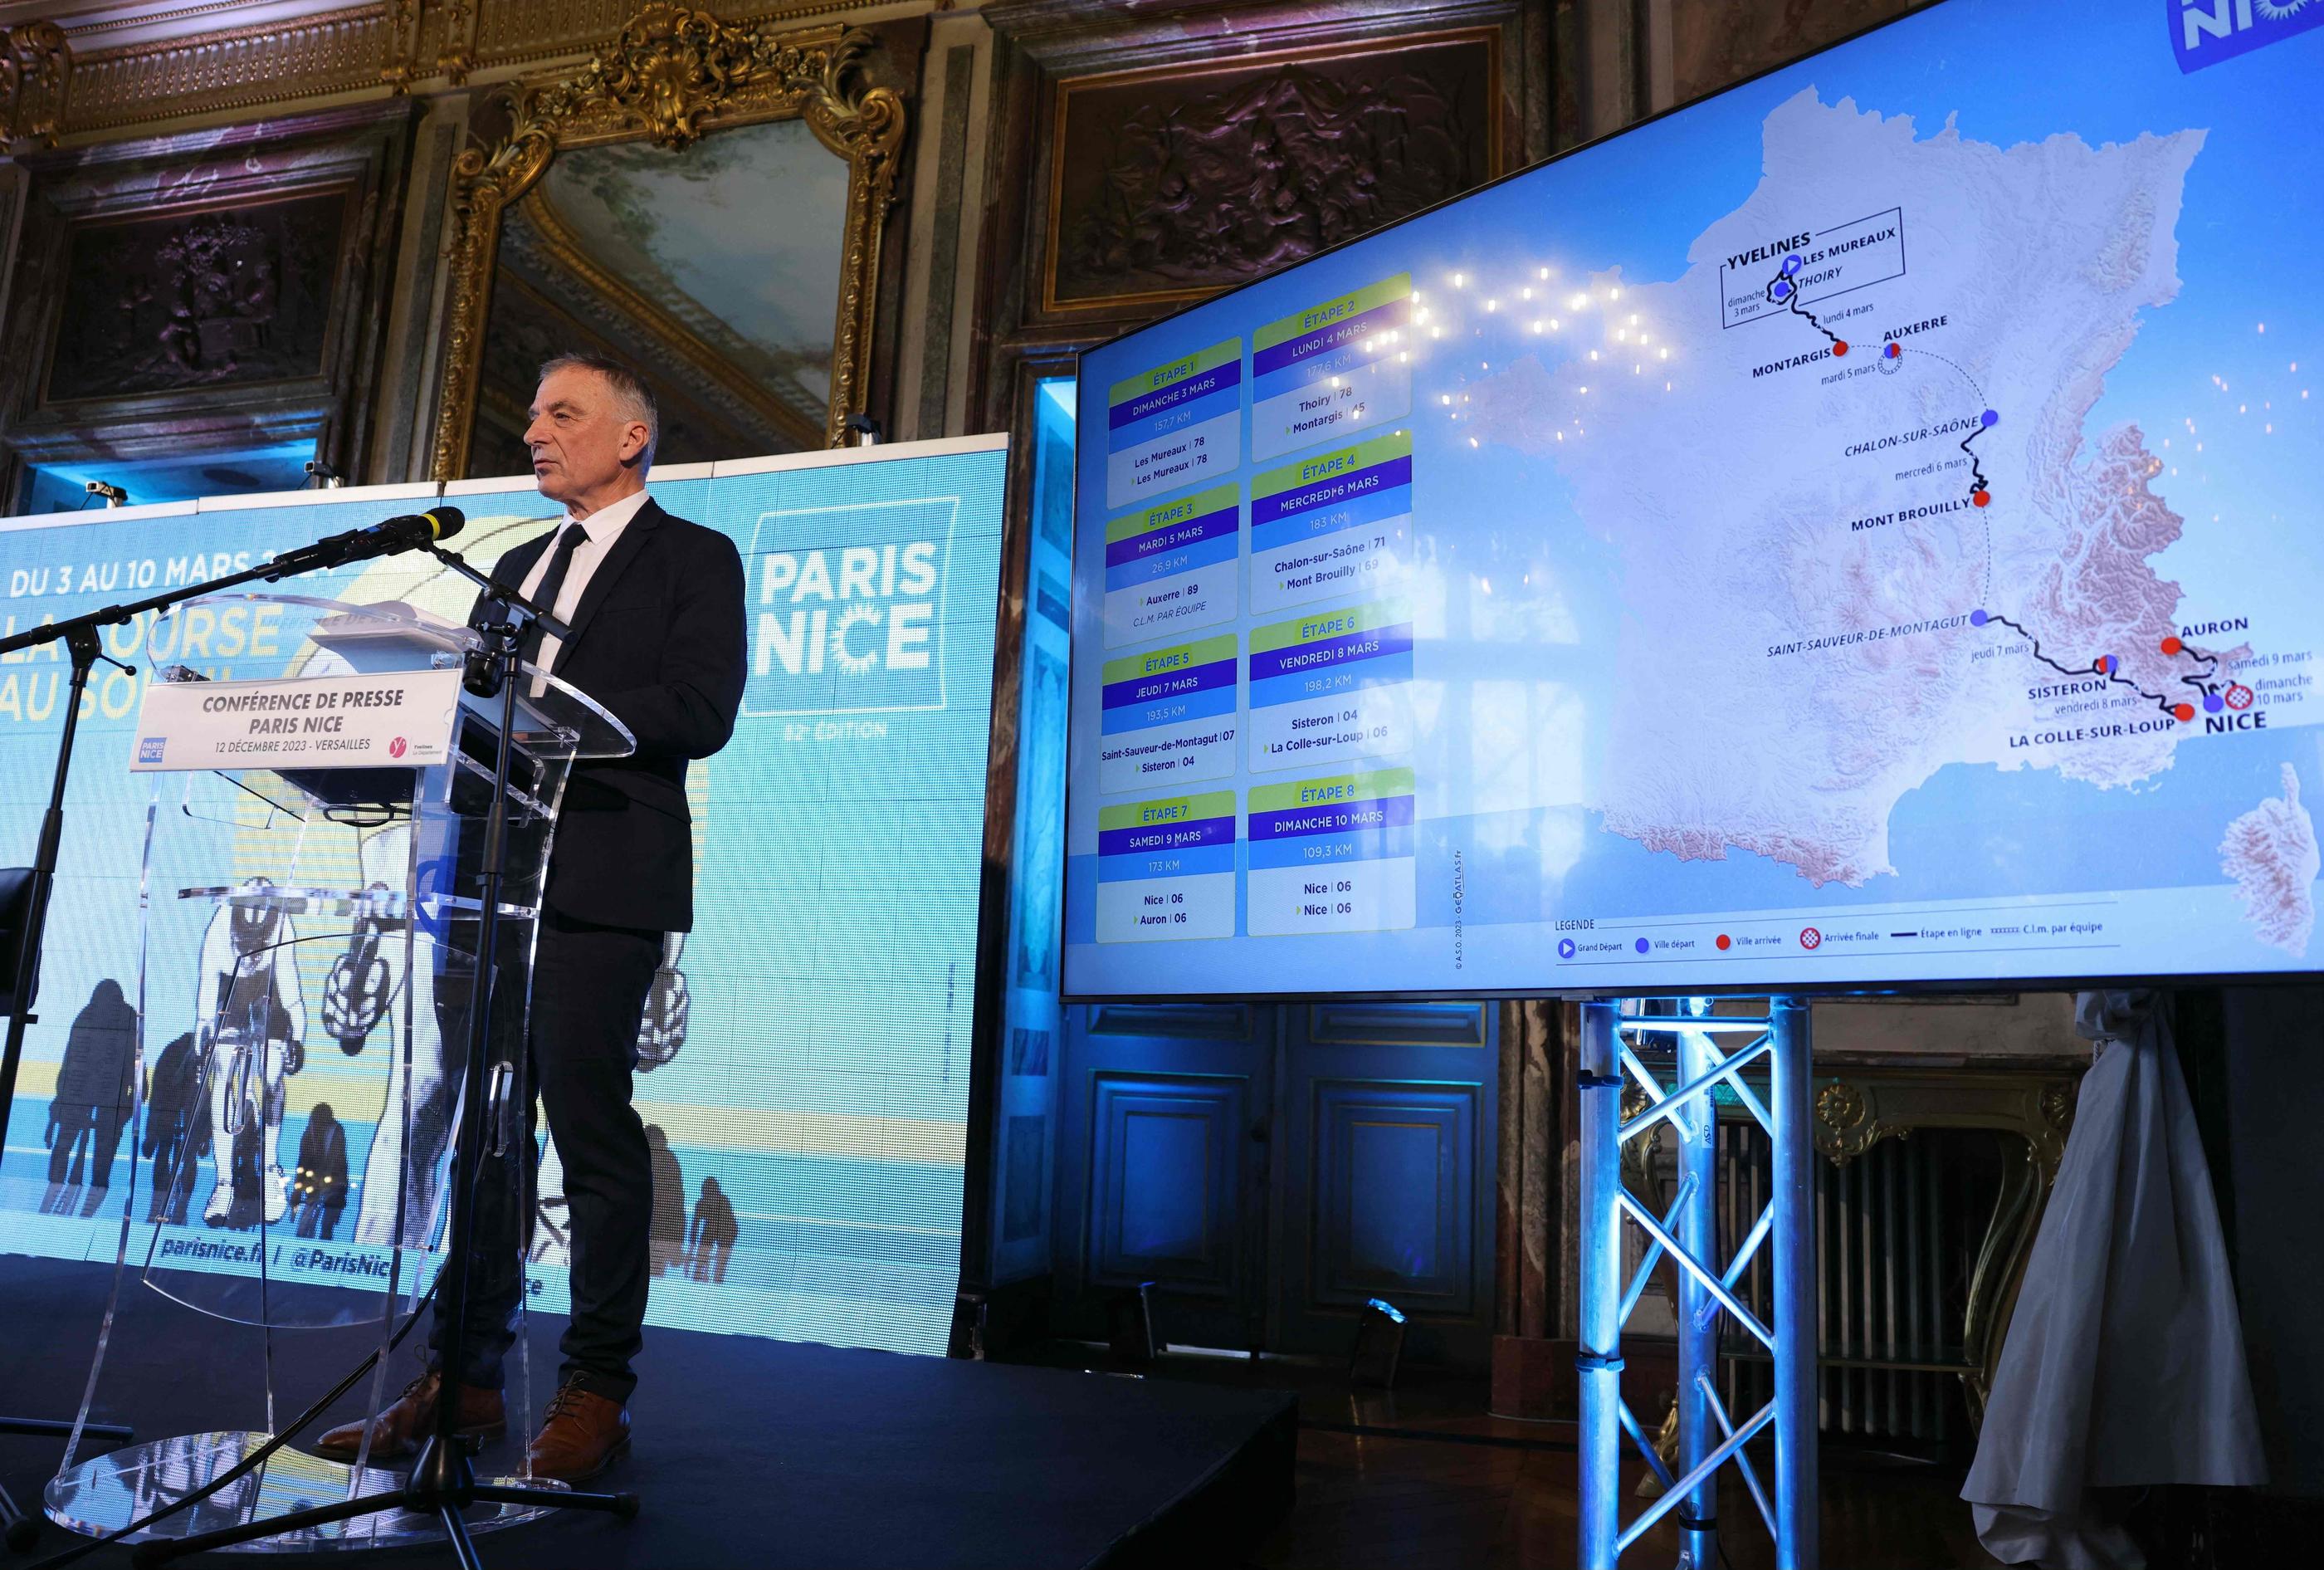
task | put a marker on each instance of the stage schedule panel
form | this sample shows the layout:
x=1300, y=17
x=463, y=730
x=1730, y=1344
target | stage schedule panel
x=1853, y=532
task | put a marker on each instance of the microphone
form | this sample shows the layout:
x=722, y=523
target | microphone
x=409, y=532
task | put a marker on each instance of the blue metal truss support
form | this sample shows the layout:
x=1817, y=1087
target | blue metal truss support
x=1688, y=1237
x=1797, y=1500
x=1697, y=1124
x=1599, y=1364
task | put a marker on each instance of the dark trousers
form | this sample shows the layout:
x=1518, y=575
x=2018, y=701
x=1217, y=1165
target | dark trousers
x=589, y=987
x=97, y=1130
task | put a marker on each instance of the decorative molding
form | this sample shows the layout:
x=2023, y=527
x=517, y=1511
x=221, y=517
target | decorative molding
x=516, y=32
x=1842, y=1131
x=1873, y=1104
x=399, y=50
x=674, y=74
x=456, y=52
x=240, y=68
x=174, y=66
x=35, y=73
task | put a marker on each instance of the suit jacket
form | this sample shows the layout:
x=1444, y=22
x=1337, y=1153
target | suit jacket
x=659, y=638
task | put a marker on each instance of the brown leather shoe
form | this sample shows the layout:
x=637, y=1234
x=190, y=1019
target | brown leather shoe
x=581, y=1435
x=398, y=1431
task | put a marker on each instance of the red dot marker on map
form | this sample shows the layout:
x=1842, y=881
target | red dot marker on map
x=1979, y=498
x=1724, y=941
x=2182, y=711
x=2171, y=645
x=1839, y=345
x=1893, y=350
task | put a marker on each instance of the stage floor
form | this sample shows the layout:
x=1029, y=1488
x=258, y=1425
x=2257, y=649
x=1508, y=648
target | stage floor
x=748, y=1452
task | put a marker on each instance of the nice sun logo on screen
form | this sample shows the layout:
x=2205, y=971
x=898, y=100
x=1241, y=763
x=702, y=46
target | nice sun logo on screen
x=848, y=606
x=2205, y=33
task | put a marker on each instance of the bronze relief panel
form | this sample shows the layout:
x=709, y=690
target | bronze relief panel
x=1715, y=43
x=1171, y=183
x=223, y=297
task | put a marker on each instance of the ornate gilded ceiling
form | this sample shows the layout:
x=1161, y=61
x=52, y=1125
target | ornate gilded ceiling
x=78, y=67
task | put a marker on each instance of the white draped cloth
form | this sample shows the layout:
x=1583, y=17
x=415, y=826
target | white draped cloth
x=2125, y=1361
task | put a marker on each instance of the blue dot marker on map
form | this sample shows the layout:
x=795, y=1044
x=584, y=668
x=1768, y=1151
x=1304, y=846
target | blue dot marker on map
x=2213, y=703
x=1782, y=289
x=1990, y=417
x=1791, y=266
x=1642, y=945
x=2106, y=665
x=1977, y=618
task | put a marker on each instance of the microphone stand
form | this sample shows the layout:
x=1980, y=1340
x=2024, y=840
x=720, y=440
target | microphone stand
x=443, y=1479
x=80, y=636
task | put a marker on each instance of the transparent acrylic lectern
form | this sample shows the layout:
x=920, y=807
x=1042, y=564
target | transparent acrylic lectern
x=310, y=919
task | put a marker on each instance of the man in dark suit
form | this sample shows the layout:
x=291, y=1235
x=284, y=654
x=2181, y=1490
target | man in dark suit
x=655, y=607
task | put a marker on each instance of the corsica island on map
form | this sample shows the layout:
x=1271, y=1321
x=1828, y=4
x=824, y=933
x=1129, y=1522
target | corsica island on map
x=1859, y=518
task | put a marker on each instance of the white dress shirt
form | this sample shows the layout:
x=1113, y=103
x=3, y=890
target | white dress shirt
x=603, y=527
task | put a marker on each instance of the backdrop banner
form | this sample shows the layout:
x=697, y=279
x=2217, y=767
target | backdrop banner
x=805, y=1056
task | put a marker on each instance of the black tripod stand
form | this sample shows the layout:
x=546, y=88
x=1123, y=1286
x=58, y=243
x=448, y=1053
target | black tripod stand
x=443, y=1479
x=23, y=979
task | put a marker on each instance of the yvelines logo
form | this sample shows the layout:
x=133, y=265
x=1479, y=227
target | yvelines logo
x=849, y=608
x=2203, y=33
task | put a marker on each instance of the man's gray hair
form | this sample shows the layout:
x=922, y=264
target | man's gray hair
x=633, y=398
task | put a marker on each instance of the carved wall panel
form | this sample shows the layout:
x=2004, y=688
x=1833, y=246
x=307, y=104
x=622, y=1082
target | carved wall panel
x=209, y=290
x=1142, y=157
x=1164, y=185
x=1717, y=42
x=207, y=299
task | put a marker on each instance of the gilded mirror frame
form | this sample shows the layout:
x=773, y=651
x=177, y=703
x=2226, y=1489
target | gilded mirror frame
x=673, y=75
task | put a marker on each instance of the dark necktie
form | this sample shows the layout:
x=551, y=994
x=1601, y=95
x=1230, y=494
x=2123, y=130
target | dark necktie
x=552, y=584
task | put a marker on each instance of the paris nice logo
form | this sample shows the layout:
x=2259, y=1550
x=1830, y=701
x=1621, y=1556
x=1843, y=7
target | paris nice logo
x=2204, y=32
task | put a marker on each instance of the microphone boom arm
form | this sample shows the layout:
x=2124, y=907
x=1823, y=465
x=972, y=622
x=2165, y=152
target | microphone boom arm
x=504, y=593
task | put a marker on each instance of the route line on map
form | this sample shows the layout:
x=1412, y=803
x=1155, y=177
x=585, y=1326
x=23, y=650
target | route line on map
x=2109, y=667
x=1781, y=291
x=1976, y=486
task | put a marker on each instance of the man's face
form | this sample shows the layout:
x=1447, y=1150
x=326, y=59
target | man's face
x=579, y=440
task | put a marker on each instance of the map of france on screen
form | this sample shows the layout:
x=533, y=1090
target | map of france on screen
x=1859, y=529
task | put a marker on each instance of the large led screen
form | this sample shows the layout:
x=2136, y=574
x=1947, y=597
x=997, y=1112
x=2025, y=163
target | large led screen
x=804, y=1057
x=1857, y=530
